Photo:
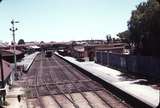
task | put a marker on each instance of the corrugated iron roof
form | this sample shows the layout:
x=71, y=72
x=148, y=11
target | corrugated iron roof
x=10, y=52
x=110, y=48
x=3, y=45
x=79, y=48
x=34, y=47
x=7, y=69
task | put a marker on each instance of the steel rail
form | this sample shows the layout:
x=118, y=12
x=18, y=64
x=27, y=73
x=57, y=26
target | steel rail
x=52, y=95
x=48, y=87
x=64, y=94
x=89, y=103
x=84, y=76
x=36, y=81
x=71, y=71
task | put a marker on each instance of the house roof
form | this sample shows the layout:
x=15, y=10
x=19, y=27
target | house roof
x=7, y=69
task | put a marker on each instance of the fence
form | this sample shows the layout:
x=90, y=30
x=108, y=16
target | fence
x=144, y=65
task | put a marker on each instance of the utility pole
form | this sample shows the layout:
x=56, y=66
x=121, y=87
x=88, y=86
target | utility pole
x=2, y=77
x=13, y=29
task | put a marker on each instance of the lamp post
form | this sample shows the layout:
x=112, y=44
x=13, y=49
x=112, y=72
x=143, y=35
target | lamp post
x=13, y=29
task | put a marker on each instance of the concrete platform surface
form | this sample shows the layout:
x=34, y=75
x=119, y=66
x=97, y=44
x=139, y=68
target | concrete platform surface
x=12, y=100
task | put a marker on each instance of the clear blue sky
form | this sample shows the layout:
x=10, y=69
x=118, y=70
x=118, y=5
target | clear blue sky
x=64, y=20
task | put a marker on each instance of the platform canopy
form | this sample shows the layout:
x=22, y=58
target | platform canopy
x=34, y=47
x=10, y=52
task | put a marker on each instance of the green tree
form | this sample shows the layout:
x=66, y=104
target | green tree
x=124, y=36
x=21, y=41
x=109, y=38
x=144, y=27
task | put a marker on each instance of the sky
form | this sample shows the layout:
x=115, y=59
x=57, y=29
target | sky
x=64, y=20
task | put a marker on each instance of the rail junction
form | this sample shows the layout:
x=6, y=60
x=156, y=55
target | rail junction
x=51, y=82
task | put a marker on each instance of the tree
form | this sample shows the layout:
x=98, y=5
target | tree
x=144, y=27
x=109, y=39
x=21, y=41
x=42, y=42
x=124, y=36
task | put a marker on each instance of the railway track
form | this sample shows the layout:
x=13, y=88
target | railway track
x=55, y=81
x=74, y=87
x=72, y=71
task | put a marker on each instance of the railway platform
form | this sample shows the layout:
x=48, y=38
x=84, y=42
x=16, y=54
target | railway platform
x=11, y=98
x=28, y=60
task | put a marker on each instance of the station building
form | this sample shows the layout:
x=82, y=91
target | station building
x=8, y=55
x=7, y=78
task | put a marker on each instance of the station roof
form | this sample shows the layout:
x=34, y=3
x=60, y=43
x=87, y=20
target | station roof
x=110, y=48
x=106, y=45
x=10, y=52
x=3, y=45
x=34, y=47
x=7, y=69
x=79, y=48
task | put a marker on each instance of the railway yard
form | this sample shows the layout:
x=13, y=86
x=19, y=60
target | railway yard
x=53, y=83
x=78, y=54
